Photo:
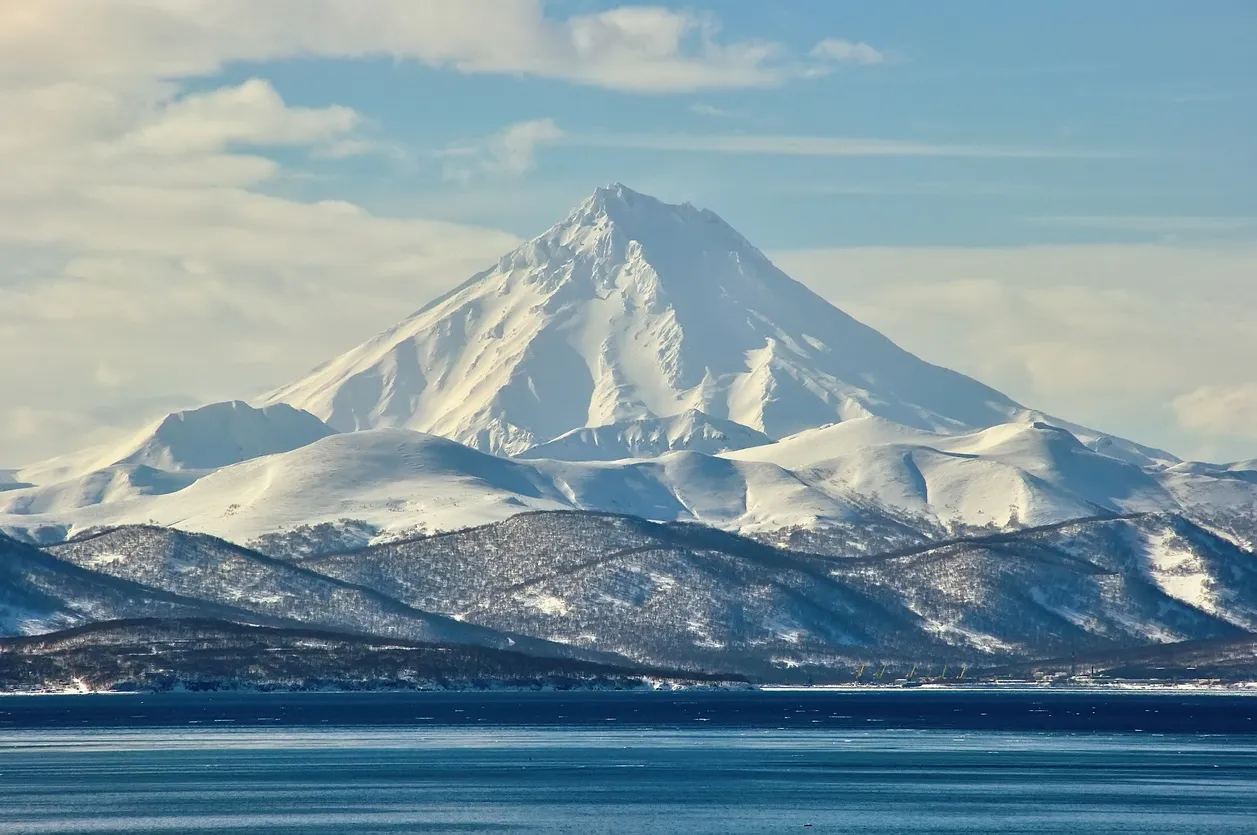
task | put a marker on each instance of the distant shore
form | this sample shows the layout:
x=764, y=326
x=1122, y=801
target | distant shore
x=1247, y=688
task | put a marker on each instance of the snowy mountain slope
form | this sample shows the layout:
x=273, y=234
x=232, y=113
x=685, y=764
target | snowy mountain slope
x=649, y=438
x=110, y=485
x=688, y=486
x=390, y=478
x=210, y=569
x=602, y=586
x=609, y=352
x=1016, y=473
x=392, y=482
x=399, y=481
x=632, y=309
x=686, y=595
x=1076, y=587
x=814, y=446
x=1245, y=471
x=40, y=593
x=1180, y=558
x=1224, y=499
x=678, y=596
x=1125, y=450
x=205, y=438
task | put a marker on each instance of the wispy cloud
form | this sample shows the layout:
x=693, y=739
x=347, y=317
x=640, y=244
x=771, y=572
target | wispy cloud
x=918, y=189
x=1151, y=224
x=847, y=52
x=708, y=110
x=820, y=146
x=510, y=152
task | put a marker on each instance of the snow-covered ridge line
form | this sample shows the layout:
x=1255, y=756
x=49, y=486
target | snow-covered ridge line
x=856, y=475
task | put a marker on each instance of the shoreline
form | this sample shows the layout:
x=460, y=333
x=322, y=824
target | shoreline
x=1245, y=688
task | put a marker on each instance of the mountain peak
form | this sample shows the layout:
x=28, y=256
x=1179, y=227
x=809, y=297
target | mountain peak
x=617, y=192
x=220, y=434
x=204, y=438
x=633, y=309
x=619, y=197
x=646, y=219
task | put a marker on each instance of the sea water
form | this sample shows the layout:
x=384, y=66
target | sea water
x=629, y=763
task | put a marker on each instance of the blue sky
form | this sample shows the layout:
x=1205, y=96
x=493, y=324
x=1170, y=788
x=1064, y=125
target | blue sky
x=1152, y=116
x=201, y=201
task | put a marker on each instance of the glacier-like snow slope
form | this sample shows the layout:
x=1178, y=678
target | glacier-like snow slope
x=632, y=309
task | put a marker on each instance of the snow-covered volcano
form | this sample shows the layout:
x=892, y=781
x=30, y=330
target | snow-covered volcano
x=632, y=309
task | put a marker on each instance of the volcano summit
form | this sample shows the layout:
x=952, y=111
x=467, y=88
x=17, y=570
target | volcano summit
x=632, y=309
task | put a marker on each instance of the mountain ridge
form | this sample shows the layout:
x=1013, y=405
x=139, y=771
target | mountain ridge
x=386, y=483
x=203, y=438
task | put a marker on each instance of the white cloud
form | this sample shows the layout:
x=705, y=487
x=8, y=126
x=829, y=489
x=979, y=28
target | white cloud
x=219, y=298
x=847, y=52
x=141, y=250
x=141, y=255
x=1107, y=335
x=637, y=48
x=1220, y=410
x=74, y=136
x=250, y=114
x=513, y=149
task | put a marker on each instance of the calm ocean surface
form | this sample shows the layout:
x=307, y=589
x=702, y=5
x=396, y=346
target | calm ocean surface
x=628, y=763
